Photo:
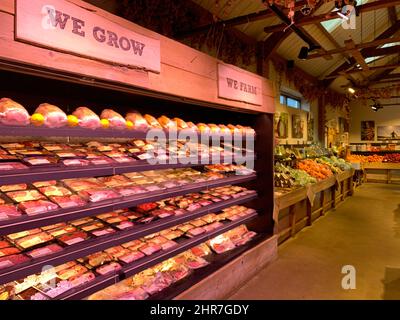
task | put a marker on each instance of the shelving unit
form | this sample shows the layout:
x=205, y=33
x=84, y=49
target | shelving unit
x=181, y=89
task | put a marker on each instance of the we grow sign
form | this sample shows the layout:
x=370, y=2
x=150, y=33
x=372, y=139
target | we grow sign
x=66, y=27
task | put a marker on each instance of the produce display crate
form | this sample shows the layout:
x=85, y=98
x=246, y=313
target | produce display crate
x=299, y=208
x=381, y=172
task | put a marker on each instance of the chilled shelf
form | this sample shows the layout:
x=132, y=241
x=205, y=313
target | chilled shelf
x=33, y=131
x=26, y=222
x=101, y=243
x=148, y=262
x=63, y=172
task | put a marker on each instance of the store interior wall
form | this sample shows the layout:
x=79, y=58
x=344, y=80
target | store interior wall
x=388, y=116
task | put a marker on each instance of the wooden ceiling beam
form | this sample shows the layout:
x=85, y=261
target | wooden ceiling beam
x=364, y=45
x=351, y=46
x=377, y=52
x=389, y=32
x=333, y=15
x=389, y=66
x=392, y=14
x=237, y=21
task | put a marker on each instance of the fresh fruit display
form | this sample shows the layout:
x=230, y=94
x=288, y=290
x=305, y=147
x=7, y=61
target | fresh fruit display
x=292, y=177
x=314, y=169
x=392, y=158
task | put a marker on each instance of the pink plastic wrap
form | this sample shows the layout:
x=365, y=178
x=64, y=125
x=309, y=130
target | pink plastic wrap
x=139, y=123
x=54, y=117
x=87, y=118
x=115, y=119
x=96, y=195
x=12, y=113
x=37, y=207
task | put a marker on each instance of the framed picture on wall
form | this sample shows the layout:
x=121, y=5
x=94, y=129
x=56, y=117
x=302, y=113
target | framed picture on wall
x=367, y=130
x=297, y=127
x=310, y=127
x=281, y=125
x=388, y=132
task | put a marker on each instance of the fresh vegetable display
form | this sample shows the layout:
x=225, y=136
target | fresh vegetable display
x=317, y=170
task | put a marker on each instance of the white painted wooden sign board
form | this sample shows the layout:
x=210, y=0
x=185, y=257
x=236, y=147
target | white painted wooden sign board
x=64, y=26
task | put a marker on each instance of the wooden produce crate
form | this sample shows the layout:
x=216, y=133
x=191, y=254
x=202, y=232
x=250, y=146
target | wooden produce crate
x=382, y=172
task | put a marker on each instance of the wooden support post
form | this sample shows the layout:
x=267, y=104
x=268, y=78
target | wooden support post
x=323, y=202
x=389, y=176
x=343, y=190
x=333, y=196
x=292, y=213
x=309, y=213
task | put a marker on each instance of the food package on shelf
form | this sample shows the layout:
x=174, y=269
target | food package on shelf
x=13, y=260
x=13, y=187
x=180, y=124
x=7, y=166
x=139, y=123
x=115, y=119
x=53, y=117
x=87, y=118
x=96, y=195
x=37, y=207
x=83, y=184
x=25, y=195
x=167, y=123
x=12, y=113
x=9, y=211
x=68, y=201
x=153, y=123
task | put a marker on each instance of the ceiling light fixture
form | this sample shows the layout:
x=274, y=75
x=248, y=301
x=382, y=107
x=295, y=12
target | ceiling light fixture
x=351, y=90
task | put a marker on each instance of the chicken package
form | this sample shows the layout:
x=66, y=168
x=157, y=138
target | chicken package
x=25, y=195
x=180, y=123
x=115, y=119
x=68, y=201
x=53, y=117
x=12, y=113
x=87, y=118
x=167, y=123
x=153, y=123
x=139, y=123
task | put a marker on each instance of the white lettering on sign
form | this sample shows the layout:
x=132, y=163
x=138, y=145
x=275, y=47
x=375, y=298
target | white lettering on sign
x=66, y=27
x=236, y=84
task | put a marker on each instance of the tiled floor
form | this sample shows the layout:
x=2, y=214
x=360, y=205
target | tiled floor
x=364, y=232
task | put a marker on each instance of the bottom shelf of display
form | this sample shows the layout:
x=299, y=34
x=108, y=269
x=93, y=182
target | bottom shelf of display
x=217, y=261
x=129, y=270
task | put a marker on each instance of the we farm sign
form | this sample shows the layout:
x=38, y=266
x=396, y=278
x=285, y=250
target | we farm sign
x=235, y=84
x=66, y=27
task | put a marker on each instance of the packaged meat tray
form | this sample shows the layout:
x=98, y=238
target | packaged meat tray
x=69, y=201
x=53, y=292
x=128, y=191
x=115, y=119
x=83, y=184
x=102, y=232
x=162, y=213
x=131, y=256
x=146, y=207
x=158, y=283
x=198, y=222
x=131, y=215
x=196, y=262
x=18, y=235
x=124, y=225
x=45, y=251
x=71, y=271
x=7, y=166
x=108, y=268
x=40, y=161
x=92, y=226
x=13, y=187
x=195, y=232
x=76, y=162
x=221, y=244
x=25, y=195
x=42, y=184
x=213, y=226
x=9, y=251
x=116, y=218
x=96, y=195
x=82, y=221
x=70, y=239
x=8, y=157
x=102, y=161
x=9, y=211
x=4, y=244
x=139, y=123
x=150, y=249
x=168, y=245
x=115, y=181
x=13, y=260
x=185, y=228
x=54, y=147
x=133, y=245
x=68, y=154
x=82, y=279
x=146, y=220
x=117, y=252
x=171, y=235
x=58, y=232
x=97, y=259
x=54, y=226
x=33, y=240
x=37, y=207
x=124, y=159
x=55, y=191
x=201, y=250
